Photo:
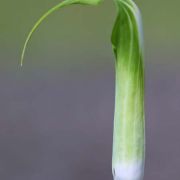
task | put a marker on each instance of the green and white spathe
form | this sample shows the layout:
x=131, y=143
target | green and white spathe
x=129, y=136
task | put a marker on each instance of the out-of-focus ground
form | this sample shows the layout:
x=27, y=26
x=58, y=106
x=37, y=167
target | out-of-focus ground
x=56, y=113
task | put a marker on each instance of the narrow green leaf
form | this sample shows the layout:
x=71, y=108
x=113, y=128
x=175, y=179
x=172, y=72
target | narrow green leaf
x=50, y=11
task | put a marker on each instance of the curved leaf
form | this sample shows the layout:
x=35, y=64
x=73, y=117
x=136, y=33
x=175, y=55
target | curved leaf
x=50, y=11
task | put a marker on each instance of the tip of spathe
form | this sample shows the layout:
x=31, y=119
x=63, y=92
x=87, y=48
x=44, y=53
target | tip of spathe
x=21, y=64
x=21, y=60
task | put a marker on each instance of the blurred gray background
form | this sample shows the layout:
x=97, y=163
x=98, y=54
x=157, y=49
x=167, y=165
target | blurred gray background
x=56, y=113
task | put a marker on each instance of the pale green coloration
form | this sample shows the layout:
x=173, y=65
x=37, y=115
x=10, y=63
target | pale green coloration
x=55, y=8
x=129, y=136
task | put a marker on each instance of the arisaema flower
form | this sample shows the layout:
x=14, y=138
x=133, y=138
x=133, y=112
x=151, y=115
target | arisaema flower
x=129, y=136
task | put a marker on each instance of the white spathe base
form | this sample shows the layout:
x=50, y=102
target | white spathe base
x=128, y=170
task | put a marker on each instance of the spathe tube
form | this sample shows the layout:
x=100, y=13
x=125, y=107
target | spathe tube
x=129, y=125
